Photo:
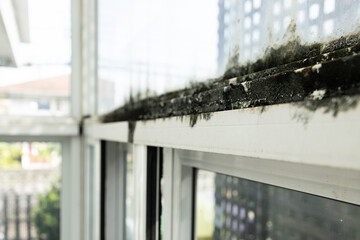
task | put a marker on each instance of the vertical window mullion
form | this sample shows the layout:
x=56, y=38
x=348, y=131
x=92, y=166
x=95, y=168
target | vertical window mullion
x=168, y=209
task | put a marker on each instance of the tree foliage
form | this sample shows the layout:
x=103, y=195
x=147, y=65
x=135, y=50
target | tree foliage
x=10, y=155
x=46, y=215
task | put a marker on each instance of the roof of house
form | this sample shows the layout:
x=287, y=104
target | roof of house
x=56, y=86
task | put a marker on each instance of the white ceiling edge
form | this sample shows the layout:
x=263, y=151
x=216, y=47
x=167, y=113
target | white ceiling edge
x=21, y=10
x=9, y=32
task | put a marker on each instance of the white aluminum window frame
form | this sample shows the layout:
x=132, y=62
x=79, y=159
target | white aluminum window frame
x=322, y=181
x=64, y=130
x=115, y=151
x=269, y=145
x=91, y=199
x=285, y=145
x=70, y=212
x=115, y=194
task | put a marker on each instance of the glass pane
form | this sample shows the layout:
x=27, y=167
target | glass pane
x=151, y=47
x=35, y=57
x=234, y=208
x=30, y=188
x=130, y=197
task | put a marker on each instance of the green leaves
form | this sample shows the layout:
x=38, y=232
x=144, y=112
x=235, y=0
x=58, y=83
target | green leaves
x=10, y=155
x=46, y=215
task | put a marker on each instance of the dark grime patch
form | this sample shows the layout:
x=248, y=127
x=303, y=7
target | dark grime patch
x=291, y=73
x=332, y=105
x=195, y=117
x=131, y=131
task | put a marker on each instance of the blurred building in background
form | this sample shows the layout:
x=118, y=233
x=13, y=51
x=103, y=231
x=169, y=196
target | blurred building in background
x=41, y=97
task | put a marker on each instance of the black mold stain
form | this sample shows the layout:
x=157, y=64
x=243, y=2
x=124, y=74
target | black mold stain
x=131, y=131
x=333, y=105
x=195, y=117
x=290, y=73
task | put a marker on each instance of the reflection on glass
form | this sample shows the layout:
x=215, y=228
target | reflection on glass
x=205, y=205
x=129, y=211
x=35, y=57
x=233, y=208
x=151, y=47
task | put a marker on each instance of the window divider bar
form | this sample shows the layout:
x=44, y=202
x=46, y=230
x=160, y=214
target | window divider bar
x=140, y=166
x=168, y=157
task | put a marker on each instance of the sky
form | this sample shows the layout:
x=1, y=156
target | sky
x=49, y=52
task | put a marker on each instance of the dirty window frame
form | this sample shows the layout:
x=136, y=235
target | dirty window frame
x=301, y=178
x=218, y=137
x=246, y=136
